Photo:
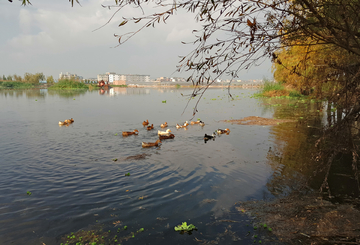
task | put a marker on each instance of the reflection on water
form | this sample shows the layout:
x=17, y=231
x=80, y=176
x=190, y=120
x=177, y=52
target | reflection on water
x=76, y=184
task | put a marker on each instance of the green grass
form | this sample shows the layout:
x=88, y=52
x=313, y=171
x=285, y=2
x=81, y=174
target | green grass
x=69, y=84
x=271, y=86
x=123, y=86
x=15, y=85
x=278, y=90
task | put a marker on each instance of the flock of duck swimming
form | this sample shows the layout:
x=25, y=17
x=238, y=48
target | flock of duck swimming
x=162, y=134
x=168, y=135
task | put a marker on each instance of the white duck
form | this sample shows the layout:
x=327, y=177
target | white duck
x=164, y=133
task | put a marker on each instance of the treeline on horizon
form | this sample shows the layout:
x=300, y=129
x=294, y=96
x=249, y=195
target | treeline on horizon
x=35, y=78
x=28, y=78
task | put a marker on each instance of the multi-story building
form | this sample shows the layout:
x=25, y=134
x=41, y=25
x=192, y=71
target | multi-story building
x=69, y=76
x=103, y=77
x=117, y=79
x=137, y=79
x=122, y=79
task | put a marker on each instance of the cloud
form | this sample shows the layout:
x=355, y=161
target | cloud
x=178, y=35
x=25, y=21
x=55, y=37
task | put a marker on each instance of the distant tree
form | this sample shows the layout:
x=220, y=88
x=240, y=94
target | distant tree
x=34, y=78
x=4, y=78
x=50, y=80
x=9, y=78
x=17, y=78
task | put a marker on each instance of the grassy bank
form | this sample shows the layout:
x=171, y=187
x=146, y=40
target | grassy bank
x=15, y=85
x=69, y=84
x=274, y=89
x=121, y=86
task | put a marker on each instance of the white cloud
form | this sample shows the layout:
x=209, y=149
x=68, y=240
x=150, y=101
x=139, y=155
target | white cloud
x=178, y=35
x=56, y=37
x=25, y=21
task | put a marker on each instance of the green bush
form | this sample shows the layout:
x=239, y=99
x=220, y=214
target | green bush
x=69, y=84
x=15, y=85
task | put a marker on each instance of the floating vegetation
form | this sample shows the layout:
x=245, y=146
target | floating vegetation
x=97, y=237
x=115, y=159
x=28, y=193
x=69, y=84
x=127, y=174
x=16, y=85
x=184, y=227
x=164, y=101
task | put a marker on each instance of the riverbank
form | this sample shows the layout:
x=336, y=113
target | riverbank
x=257, y=86
x=307, y=219
x=16, y=85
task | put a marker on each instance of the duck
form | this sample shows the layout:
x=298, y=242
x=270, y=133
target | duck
x=68, y=121
x=163, y=137
x=178, y=126
x=186, y=124
x=62, y=123
x=164, y=133
x=150, y=127
x=201, y=123
x=71, y=119
x=145, y=122
x=149, y=144
x=223, y=131
x=209, y=137
x=195, y=122
x=127, y=133
x=164, y=125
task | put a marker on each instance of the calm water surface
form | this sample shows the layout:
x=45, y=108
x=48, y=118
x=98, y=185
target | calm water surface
x=76, y=185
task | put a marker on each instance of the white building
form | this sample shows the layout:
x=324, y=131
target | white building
x=104, y=77
x=122, y=79
x=69, y=76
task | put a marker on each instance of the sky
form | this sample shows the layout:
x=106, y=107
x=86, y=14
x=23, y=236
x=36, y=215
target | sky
x=52, y=37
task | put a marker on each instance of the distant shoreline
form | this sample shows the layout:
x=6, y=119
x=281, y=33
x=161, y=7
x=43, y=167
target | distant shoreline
x=189, y=86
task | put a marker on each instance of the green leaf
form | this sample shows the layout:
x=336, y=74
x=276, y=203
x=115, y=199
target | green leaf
x=185, y=227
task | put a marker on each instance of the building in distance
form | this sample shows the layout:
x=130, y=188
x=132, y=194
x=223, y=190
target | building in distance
x=123, y=79
x=69, y=76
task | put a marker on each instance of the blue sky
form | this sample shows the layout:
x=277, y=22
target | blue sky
x=53, y=37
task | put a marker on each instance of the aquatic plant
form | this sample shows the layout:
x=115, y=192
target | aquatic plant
x=185, y=227
x=28, y=193
x=127, y=174
x=16, y=85
x=69, y=84
x=164, y=101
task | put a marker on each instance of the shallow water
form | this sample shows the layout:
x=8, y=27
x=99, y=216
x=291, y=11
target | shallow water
x=76, y=185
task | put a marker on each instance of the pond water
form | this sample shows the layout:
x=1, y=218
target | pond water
x=75, y=185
